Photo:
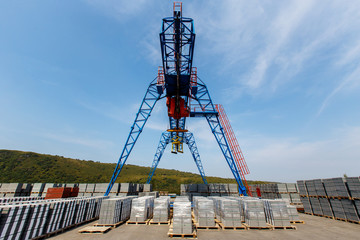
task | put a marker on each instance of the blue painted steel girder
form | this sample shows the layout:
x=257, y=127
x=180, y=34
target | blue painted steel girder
x=165, y=139
x=146, y=107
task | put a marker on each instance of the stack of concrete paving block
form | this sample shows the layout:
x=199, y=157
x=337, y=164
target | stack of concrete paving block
x=293, y=213
x=11, y=189
x=350, y=210
x=353, y=184
x=203, y=188
x=161, y=209
x=319, y=188
x=154, y=194
x=325, y=207
x=335, y=187
x=142, y=209
x=182, y=223
x=147, y=188
x=110, y=212
x=337, y=208
x=230, y=212
x=276, y=213
x=204, y=211
x=310, y=186
x=302, y=188
x=315, y=205
x=90, y=188
x=254, y=213
x=37, y=189
x=233, y=189
x=82, y=189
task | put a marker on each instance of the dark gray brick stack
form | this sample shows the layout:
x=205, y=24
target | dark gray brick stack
x=353, y=184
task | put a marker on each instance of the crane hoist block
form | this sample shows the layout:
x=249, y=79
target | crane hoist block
x=183, y=111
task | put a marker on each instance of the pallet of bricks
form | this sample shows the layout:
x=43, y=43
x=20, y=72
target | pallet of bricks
x=212, y=189
x=337, y=198
x=34, y=218
x=285, y=191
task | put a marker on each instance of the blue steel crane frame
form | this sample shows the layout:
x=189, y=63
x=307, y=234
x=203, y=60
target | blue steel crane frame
x=165, y=139
x=177, y=41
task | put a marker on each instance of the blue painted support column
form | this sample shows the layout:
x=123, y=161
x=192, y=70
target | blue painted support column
x=190, y=141
x=146, y=107
x=164, y=141
x=210, y=113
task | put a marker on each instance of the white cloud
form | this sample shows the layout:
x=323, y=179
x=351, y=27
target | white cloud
x=292, y=159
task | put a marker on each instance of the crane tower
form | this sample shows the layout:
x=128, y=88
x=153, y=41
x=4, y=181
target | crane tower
x=186, y=96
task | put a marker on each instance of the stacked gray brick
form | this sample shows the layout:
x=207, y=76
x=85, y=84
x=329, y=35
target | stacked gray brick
x=276, y=213
x=204, y=211
x=182, y=223
x=161, y=209
x=254, y=213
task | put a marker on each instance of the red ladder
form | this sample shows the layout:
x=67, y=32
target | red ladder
x=234, y=145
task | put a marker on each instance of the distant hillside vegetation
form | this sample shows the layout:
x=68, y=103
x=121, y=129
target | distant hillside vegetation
x=29, y=167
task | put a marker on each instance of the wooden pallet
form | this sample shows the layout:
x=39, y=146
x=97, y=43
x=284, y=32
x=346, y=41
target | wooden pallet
x=177, y=235
x=298, y=221
x=151, y=222
x=137, y=223
x=268, y=227
x=109, y=225
x=284, y=227
x=341, y=219
x=308, y=213
x=216, y=227
x=95, y=230
x=231, y=227
x=351, y=221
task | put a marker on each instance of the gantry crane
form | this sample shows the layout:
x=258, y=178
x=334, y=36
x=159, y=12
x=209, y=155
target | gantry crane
x=177, y=81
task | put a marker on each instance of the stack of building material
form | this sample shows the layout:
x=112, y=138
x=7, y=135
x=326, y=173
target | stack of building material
x=203, y=189
x=110, y=212
x=230, y=212
x=90, y=188
x=353, y=184
x=350, y=210
x=37, y=189
x=315, y=205
x=142, y=209
x=182, y=223
x=214, y=189
x=154, y=194
x=161, y=209
x=11, y=189
x=293, y=213
x=302, y=188
x=285, y=191
x=254, y=213
x=61, y=192
x=30, y=219
x=333, y=198
x=204, y=212
x=147, y=188
x=233, y=189
x=276, y=212
x=325, y=207
x=82, y=189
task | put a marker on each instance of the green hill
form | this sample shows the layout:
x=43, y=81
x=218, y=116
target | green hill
x=30, y=167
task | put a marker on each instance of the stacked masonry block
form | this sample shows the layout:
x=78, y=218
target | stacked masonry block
x=142, y=209
x=254, y=213
x=115, y=210
x=276, y=212
x=337, y=198
x=182, y=223
x=204, y=211
x=31, y=218
x=161, y=209
x=285, y=191
x=213, y=189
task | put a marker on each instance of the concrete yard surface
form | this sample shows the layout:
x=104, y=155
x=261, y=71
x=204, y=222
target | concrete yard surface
x=314, y=228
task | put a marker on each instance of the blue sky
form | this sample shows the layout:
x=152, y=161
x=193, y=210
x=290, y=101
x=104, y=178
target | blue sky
x=73, y=73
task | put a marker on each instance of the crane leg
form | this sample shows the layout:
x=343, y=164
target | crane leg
x=205, y=102
x=146, y=107
x=190, y=141
x=164, y=141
